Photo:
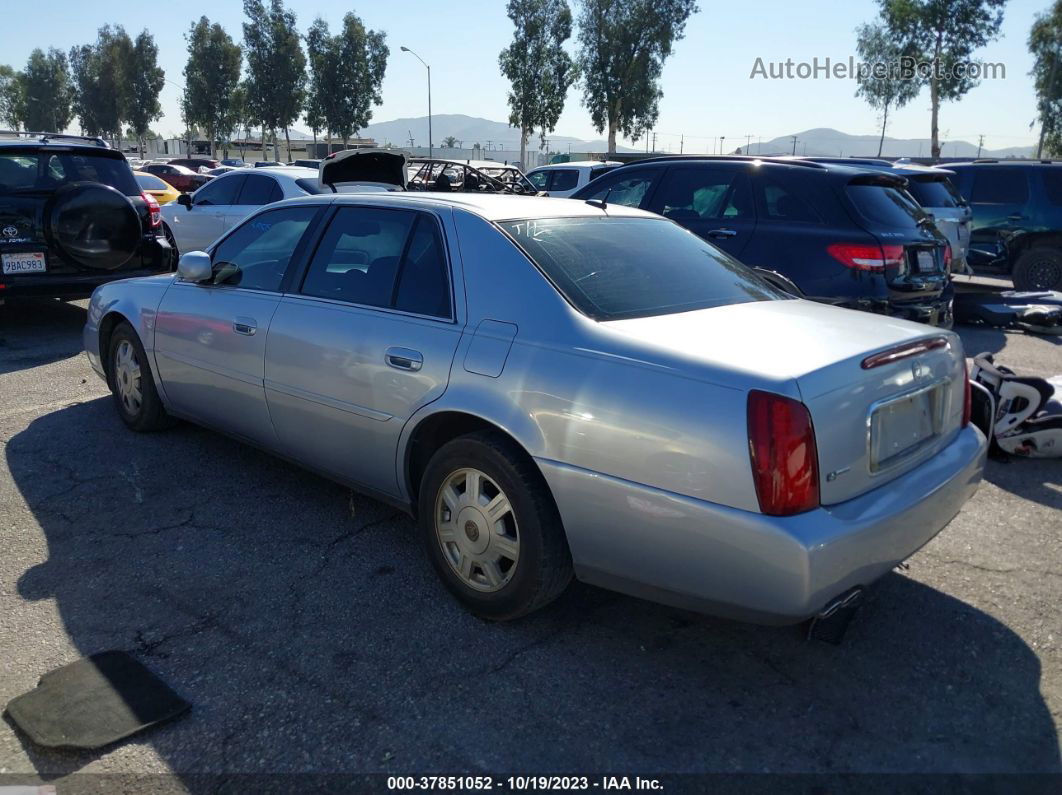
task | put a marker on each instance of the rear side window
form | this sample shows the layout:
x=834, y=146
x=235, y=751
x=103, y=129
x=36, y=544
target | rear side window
x=1053, y=184
x=311, y=186
x=564, y=179
x=48, y=170
x=885, y=206
x=382, y=258
x=999, y=186
x=258, y=252
x=715, y=193
x=616, y=268
x=933, y=193
x=781, y=202
x=258, y=190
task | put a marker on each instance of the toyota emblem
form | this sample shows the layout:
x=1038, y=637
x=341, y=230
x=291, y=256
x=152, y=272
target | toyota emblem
x=10, y=231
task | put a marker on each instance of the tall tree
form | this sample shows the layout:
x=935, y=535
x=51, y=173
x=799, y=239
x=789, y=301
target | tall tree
x=210, y=79
x=883, y=85
x=145, y=78
x=276, y=66
x=1045, y=44
x=943, y=34
x=9, y=97
x=348, y=71
x=538, y=68
x=103, y=83
x=623, y=45
x=44, y=92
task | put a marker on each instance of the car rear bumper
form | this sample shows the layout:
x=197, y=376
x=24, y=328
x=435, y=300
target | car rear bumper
x=698, y=555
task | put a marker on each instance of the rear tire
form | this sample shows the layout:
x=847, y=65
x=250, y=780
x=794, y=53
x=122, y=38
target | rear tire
x=1038, y=269
x=174, y=253
x=131, y=382
x=491, y=529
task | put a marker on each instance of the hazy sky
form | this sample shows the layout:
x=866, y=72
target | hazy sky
x=707, y=87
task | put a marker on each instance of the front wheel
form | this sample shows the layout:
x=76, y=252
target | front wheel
x=1038, y=269
x=491, y=529
x=131, y=383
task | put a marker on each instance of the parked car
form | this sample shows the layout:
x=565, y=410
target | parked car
x=306, y=163
x=1017, y=219
x=235, y=162
x=554, y=387
x=563, y=179
x=195, y=163
x=934, y=190
x=470, y=176
x=183, y=179
x=72, y=217
x=847, y=236
x=163, y=192
x=267, y=164
x=197, y=220
x=216, y=172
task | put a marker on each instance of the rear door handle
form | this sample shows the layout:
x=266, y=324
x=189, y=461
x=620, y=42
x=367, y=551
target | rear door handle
x=404, y=358
x=1015, y=217
x=245, y=325
x=722, y=233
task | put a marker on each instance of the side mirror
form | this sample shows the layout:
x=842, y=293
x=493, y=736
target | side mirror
x=194, y=267
x=185, y=200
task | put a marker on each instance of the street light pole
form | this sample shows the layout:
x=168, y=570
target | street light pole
x=430, y=143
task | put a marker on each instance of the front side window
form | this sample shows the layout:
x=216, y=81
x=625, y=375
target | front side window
x=256, y=255
x=999, y=186
x=629, y=189
x=219, y=191
x=616, y=268
x=149, y=182
x=539, y=179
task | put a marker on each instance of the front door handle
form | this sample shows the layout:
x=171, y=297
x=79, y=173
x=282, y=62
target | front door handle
x=1015, y=217
x=404, y=359
x=245, y=325
x=722, y=233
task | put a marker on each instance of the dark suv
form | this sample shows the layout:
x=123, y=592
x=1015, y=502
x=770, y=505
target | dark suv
x=1017, y=219
x=72, y=217
x=843, y=235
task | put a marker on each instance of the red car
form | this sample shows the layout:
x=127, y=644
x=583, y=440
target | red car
x=183, y=179
x=195, y=163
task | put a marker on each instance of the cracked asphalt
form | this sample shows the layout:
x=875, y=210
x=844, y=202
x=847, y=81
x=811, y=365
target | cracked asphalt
x=310, y=635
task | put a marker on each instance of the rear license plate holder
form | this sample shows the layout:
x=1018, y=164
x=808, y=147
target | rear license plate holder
x=925, y=262
x=18, y=262
x=899, y=427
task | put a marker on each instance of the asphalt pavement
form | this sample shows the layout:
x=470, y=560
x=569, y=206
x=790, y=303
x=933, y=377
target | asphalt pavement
x=309, y=633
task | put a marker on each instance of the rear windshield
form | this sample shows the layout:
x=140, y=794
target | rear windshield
x=616, y=268
x=885, y=206
x=150, y=182
x=50, y=169
x=309, y=185
x=934, y=193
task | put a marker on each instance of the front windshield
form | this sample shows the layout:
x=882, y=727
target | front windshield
x=616, y=268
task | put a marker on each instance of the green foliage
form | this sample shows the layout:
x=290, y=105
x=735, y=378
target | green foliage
x=449, y=142
x=539, y=70
x=1045, y=44
x=883, y=85
x=943, y=34
x=43, y=94
x=144, y=79
x=9, y=97
x=102, y=81
x=210, y=80
x=347, y=72
x=276, y=65
x=623, y=46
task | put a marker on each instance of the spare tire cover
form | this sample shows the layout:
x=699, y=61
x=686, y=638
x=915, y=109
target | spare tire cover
x=94, y=225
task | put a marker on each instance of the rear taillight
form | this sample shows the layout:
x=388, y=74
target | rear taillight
x=784, y=458
x=947, y=258
x=967, y=396
x=154, y=209
x=862, y=257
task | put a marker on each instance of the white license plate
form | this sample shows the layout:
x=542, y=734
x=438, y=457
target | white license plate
x=901, y=426
x=927, y=263
x=24, y=262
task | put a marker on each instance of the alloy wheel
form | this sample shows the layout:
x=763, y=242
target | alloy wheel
x=127, y=377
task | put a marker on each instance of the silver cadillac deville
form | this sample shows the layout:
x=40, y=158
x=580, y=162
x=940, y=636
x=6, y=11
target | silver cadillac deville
x=557, y=388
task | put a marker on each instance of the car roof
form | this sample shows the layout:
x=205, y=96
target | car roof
x=1010, y=162
x=843, y=171
x=290, y=172
x=578, y=164
x=492, y=207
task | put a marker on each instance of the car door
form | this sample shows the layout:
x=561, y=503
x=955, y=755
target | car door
x=210, y=338
x=631, y=187
x=200, y=223
x=998, y=196
x=256, y=190
x=714, y=201
x=366, y=340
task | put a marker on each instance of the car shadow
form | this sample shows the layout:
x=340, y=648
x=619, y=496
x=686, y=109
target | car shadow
x=310, y=635
x=38, y=331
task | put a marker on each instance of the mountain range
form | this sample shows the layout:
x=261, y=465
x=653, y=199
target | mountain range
x=824, y=141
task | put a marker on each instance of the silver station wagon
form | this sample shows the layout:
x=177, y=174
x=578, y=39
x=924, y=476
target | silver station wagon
x=557, y=388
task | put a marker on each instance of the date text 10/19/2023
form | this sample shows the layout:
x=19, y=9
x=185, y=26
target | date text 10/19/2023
x=523, y=783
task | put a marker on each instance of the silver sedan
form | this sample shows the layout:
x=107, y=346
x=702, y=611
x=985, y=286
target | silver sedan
x=557, y=388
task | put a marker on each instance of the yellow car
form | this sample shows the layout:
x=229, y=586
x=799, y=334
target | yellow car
x=163, y=192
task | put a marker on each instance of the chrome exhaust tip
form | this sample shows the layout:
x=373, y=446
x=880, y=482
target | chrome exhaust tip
x=831, y=623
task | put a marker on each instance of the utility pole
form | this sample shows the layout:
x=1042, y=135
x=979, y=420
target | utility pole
x=980, y=143
x=794, y=143
x=722, y=138
x=654, y=140
x=682, y=143
x=748, y=143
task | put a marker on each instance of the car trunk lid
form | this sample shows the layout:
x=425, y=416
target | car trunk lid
x=373, y=167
